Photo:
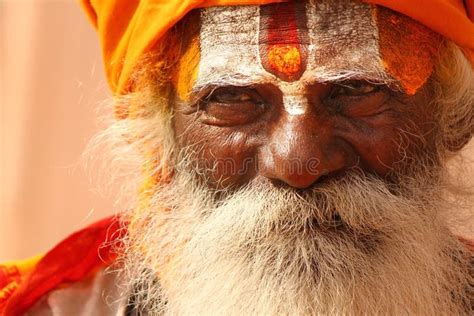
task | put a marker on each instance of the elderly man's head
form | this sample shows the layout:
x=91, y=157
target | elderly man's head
x=296, y=163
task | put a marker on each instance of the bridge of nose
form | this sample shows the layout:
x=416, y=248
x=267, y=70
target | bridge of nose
x=296, y=152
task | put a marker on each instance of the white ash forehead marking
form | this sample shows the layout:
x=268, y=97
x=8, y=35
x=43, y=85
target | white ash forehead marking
x=343, y=43
x=294, y=98
x=295, y=104
x=229, y=43
x=344, y=39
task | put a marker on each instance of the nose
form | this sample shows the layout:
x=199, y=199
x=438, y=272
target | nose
x=301, y=150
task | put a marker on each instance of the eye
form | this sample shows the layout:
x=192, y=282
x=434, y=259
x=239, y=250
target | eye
x=230, y=96
x=231, y=106
x=354, y=88
x=358, y=99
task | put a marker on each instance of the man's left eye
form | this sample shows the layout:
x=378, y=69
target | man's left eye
x=357, y=98
x=354, y=88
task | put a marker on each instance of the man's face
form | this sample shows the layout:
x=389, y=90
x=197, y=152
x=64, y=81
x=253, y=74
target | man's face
x=305, y=171
x=301, y=92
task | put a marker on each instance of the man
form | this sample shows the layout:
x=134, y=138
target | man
x=294, y=157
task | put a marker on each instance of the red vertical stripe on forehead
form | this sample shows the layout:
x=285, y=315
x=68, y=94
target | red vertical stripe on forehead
x=283, y=39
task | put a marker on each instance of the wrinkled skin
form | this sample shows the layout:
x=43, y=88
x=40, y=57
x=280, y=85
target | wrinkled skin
x=240, y=132
x=322, y=159
x=337, y=134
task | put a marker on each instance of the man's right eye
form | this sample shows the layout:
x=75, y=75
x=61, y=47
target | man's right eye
x=232, y=106
x=234, y=95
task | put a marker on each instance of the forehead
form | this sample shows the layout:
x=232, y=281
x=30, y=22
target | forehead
x=311, y=41
x=237, y=37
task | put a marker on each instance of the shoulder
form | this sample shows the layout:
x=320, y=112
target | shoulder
x=78, y=259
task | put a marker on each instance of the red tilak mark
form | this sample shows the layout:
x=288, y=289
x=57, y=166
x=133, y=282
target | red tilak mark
x=283, y=39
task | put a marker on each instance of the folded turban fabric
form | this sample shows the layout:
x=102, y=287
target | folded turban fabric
x=130, y=28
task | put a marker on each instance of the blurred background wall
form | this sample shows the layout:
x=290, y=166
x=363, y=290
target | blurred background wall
x=51, y=81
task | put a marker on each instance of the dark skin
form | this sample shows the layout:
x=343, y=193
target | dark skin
x=240, y=133
x=349, y=125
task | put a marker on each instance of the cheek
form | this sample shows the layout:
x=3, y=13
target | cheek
x=377, y=145
x=386, y=141
x=233, y=157
x=222, y=156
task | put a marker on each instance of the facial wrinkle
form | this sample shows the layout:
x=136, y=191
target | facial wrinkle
x=230, y=55
x=336, y=40
x=229, y=44
x=343, y=39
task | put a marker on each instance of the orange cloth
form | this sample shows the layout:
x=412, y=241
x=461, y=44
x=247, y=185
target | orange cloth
x=129, y=28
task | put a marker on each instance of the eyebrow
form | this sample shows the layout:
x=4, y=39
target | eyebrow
x=341, y=75
x=238, y=79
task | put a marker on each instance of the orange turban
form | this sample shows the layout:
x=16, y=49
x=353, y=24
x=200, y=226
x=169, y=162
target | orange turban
x=130, y=28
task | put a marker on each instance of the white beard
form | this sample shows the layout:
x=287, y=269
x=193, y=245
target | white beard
x=265, y=250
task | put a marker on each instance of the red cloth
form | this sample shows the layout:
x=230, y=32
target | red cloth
x=72, y=260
